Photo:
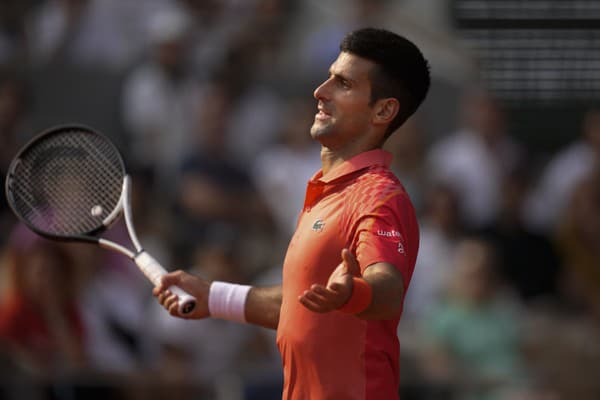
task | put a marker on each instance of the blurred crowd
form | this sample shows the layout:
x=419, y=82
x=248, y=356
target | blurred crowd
x=211, y=103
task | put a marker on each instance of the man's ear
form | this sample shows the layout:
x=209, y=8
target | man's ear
x=385, y=110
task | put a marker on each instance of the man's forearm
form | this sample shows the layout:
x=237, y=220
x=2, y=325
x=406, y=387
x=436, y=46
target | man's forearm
x=388, y=291
x=263, y=305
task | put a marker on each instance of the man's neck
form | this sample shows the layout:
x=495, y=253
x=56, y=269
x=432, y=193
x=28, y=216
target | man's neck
x=330, y=159
x=334, y=154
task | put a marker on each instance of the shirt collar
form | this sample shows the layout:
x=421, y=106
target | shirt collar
x=356, y=163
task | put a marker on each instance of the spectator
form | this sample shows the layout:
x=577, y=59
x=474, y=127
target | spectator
x=472, y=337
x=549, y=200
x=159, y=99
x=115, y=298
x=474, y=160
x=579, y=242
x=281, y=171
x=13, y=106
x=209, y=351
x=440, y=231
x=13, y=14
x=104, y=34
x=216, y=24
x=258, y=108
x=317, y=28
x=528, y=260
x=211, y=185
x=40, y=321
x=408, y=147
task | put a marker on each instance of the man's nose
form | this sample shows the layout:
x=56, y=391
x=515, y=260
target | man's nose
x=322, y=91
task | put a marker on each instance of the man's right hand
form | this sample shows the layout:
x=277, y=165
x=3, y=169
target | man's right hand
x=192, y=284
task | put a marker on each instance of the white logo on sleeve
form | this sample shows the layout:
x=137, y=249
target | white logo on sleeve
x=400, y=248
x=393, y=234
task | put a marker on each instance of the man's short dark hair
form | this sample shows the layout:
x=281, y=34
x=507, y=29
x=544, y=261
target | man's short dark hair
x=402, y=72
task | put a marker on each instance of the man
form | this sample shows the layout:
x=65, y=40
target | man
x=336, y=321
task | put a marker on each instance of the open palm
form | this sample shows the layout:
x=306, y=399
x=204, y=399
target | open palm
x=336, y=293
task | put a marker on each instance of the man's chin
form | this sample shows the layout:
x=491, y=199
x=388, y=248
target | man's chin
x=318, y=130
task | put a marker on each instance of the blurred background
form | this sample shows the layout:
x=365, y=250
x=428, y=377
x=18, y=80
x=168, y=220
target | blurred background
x=211, y=103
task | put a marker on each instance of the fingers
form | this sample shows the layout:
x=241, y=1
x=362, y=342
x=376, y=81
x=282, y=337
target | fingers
x=321, y=294
x=161, y=295
x=346, y=255
x=167, y=299
x=166, y=281
x=312, y=306
x=309, y=300
x=321, y=299
x=193, y=285
x=350, y=262
x=170, y=302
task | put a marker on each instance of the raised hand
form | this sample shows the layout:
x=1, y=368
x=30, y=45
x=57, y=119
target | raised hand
x=322, y=299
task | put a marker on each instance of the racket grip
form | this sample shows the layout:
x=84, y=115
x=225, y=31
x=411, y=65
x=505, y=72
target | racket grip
x=154, y=271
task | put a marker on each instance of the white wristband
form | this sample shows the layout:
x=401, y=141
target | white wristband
x=228, y=301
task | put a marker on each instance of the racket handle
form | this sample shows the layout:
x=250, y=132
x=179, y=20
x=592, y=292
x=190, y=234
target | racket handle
x=154, y=271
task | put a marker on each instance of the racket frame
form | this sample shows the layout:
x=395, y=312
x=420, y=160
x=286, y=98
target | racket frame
x=89, y=236
x=146, y=263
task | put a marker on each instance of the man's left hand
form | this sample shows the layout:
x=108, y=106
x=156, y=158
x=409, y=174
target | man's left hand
x=337, y=292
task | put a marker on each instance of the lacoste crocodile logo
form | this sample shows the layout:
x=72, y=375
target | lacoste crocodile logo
x=318, y=225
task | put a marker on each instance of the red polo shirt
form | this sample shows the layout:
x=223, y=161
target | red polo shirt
x=360, y=205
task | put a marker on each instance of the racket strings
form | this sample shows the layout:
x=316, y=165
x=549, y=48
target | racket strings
x=68, y=182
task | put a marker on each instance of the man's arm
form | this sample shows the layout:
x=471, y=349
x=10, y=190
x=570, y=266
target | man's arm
x=261, y=306
x=388, y=291
x=385, y=281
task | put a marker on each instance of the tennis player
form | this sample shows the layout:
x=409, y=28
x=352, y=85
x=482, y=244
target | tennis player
x=351, y=258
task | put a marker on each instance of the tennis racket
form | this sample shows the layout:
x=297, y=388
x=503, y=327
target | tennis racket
x=69, y=183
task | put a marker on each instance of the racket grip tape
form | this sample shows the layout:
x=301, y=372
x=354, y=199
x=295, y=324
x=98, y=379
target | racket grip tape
x=154, y=271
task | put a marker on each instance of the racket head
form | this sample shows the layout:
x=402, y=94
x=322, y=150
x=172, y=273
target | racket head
x=66, y=183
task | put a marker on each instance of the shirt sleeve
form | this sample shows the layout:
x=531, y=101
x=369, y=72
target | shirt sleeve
x=387, y=234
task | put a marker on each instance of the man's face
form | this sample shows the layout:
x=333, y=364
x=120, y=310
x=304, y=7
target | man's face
x=343, y=102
